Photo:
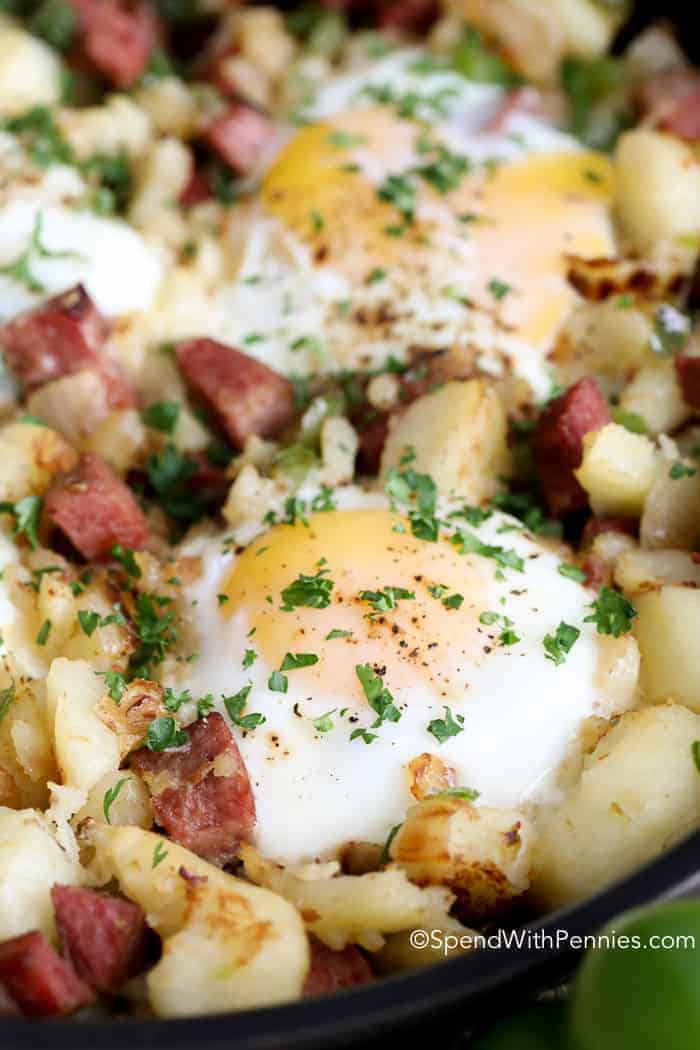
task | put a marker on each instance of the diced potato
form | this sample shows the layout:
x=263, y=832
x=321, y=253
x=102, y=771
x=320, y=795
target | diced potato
x=26, y=754
x=338, y=450
x=56, y=603
x=535, y=36
x=657, y=188
x=117, y=126
x=603, y=339
x=342, y=909
x=132, y=805
x=617, y=471
x=639, y=793
x=228, y=945
x=263, y=39
x=30, y=72
x=85, y=748
x=120, y=439
x=30, y=455
x=459, y=436
x=170, y=104
x=31, y=861
x=480, y=852
x=107, y=646
x=666, y=629
x=654, y=394
x=161, y=176
x=671, y=516
x=638, y=570
x=73, y=405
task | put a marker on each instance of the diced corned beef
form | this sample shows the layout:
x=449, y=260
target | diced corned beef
x=371, y=439
x=95, y=509
x=597, y=525
x=202, y=795
x=558, y=443
x=672, y=101
x=103, y=936
x=38, y=979
x=59, y=337
x=414, y=15
x=118, y=37
x=684, y=119
x=330, y=970
x=8, y=1007
x=688, y=372
x=246, y=396
x=239, y=137
x=196, y=190
x=598, y=572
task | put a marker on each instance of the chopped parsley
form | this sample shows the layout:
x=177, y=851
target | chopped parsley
x=126, y=559
x=470, y=794
x=379, y=699
x=235, y=706
x=631, y=421
x=292, y=661
x=499, y=289
x=475, y=61
x=346, y=139
x=444, y=728
x=162, y=415
x=671, y=331
x=558, y=645
x=400, y=191
x=453, y=601
x=376, y=276
x=385, y=855
x=695, y=752
x=249, y=658
x=156, y=633
x=572, y=572
x=474, y=515
x=278, y=682
x=26, y=513
x=386, y=599
x=324, y=723
x=337, y=633
x=164, y=733
x=111, y=795
x=612, y=613
x=222, y=599
x=159, y=854
x=312, y=592
x=55, y=22
x=173, y=701
x=681, y=470
x=39, y=134
x=469, y=543
x=116, y=684
x=205, y=706
x=418, y=493
x=44, y=632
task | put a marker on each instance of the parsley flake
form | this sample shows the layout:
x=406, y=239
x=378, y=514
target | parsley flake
x=612, y=613
x=558, y=645
x=444, y=728
x=111, y=795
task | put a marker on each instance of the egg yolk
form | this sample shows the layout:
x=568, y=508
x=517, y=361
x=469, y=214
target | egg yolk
x=426, y=640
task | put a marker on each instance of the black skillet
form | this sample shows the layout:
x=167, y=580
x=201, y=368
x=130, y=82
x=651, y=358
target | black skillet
x=433, y=1005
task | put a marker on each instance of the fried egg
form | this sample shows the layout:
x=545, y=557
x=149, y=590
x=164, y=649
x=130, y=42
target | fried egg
x=44, y=220
x=353, y=686
x=394, y=220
